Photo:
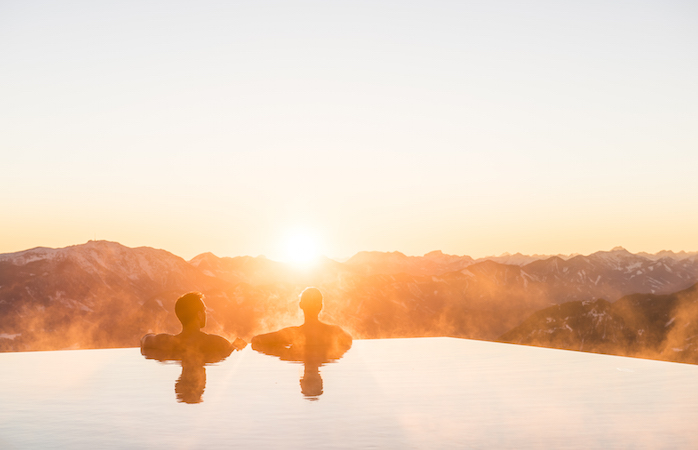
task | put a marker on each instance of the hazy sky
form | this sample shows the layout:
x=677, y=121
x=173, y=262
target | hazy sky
x=470, y=127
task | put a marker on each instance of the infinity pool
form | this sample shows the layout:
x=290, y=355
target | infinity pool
x=397, y=393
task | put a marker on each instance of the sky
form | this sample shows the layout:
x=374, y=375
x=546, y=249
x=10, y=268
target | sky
x=247, y=127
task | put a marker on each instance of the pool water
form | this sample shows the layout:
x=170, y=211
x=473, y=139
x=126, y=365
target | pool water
x=395, y=393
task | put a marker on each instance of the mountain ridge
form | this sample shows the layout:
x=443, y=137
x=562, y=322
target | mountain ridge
x=101, y=293
x=640, y=325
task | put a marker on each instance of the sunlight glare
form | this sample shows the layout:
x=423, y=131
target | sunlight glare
x=302, y=248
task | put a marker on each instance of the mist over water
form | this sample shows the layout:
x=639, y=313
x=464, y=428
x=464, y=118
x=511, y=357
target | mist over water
x=102, y=294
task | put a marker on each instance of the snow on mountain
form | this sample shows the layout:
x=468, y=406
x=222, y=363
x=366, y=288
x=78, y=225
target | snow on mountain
x=642, y=325
x=31, y=255
x=668, y=254
x=433, y=263
x=596, y=276
x=94, y=294
x=517, y=259
x=97, y=256
x=104, y=294
x=616, y=258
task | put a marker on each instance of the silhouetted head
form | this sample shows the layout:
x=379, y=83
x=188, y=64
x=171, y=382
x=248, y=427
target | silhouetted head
x=311, y=301
x=311, y=383
x=191, y=310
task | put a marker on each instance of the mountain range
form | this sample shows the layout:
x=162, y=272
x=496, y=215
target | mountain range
x=103, y=294
x=644, y=325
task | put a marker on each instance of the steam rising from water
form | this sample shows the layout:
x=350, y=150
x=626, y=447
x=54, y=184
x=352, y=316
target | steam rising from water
x=104, y=298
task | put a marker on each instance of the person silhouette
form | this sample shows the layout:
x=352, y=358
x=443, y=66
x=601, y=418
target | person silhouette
x=191, y=347
x=314, y=343
x=191, y=342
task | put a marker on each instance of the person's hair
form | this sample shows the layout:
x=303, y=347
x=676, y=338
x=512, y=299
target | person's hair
x=311, y=300
x=188, y=305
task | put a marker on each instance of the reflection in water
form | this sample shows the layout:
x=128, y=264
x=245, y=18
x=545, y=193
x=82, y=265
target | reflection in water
x=192, y=347
x=311, y=383
x=190, y=385
x=395, y=393
x=314, y=343
x=191, y=341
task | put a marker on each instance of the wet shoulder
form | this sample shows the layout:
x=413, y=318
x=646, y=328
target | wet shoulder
x=158, y=341
x=160, y=346
x=215, y=344
x=280, y=337
x=338, y=333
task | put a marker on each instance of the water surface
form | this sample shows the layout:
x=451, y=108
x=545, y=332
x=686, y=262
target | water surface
x=397, y=393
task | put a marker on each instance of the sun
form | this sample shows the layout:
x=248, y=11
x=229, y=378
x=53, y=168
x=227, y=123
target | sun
x=302, y=248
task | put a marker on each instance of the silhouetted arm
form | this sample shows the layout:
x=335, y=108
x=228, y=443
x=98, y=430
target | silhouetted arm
x=215, y=345
x=275, y=343
x=239, y=344
x=339, y=342
x=159, y=346
x=147, y=341
x=158, y=342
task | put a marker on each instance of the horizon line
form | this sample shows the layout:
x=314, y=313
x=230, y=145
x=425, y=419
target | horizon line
x=345, y=258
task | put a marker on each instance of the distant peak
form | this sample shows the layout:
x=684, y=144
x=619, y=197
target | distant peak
x=99, y=243
x=203, y=256
x=618, y=249
x=434, y=253
x=517, y=254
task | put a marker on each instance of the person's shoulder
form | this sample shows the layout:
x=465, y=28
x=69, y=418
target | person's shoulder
x=276, y=335
x=338, y=332
x=160, y=346
x=276, y=342
x=158, y=341
x=342, y=339
x=217, y=344
x=215, y=340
